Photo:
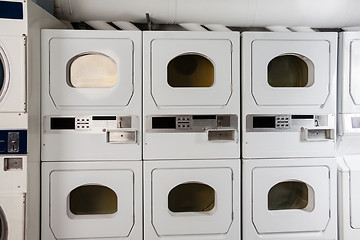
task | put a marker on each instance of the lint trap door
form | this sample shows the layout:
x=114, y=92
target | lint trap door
x=91, y=203
x=191, y=72
x=290, y=199
x=354, y=165
x=290, y=72
x=12, y=74
x=354, y=76
x=192, y=201
x=91, y=72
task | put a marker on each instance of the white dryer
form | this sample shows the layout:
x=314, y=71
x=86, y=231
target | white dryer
x=348, y=154
x=13, y=22
x=192, y=199
x=91, y=95
x=289, y=199
x=288, y=94
x=94, y=200
x=191, y=95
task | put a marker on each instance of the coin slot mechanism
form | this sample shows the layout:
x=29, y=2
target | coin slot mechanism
x=13, y=142
x=13, y=164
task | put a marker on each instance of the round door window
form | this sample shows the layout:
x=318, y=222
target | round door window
x=3, y=226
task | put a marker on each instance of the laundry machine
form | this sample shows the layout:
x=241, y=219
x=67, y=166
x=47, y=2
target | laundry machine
x=191, y=95
x=192, y=199
x=92, y=200
x=13, y=65
x=91, y=95
x=288, y=94
x=348, y=154
x=289, y=198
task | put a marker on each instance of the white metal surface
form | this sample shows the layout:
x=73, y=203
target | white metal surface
x=348, y=81
x=315, y=220
x=12, y=216
x=103, y=109
x=319, y=13
x=305, y=115
x=162, y=177
x=13, y=180
x=161, y=99
x=348, y=197
x=60, y=179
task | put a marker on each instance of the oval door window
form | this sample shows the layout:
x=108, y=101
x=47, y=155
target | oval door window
x=191, y=197
x=93, y=199
x=190, y=70
x=2, y=76
x=93, y=70
x=3, y=225
x=290, y=71
x=291, y=195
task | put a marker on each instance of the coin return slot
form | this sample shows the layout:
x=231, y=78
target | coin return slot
x=191, y=197
x=13, y=164
x=291, y=195
x=221, y=135
x=121, y=136
x=190, y=70
x=319, y=134
x=93, y=200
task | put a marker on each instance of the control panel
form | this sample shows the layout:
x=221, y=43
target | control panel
x=13, y=142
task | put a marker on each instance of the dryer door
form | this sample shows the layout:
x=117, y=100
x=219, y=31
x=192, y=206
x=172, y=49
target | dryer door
x=96, y=73
x=191, y=72
x=290, y=199
x=353, y=162
x=12, y=74
x=355, y=71
x=12, y=216
x=91, y=203
x=192, y=201
x=3, y=225
x=290, y=73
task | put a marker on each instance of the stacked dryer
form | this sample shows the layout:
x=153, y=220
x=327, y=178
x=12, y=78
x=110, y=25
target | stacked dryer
x=91, y=135
x=20, y=24
x=288, y=106
x=13, y=123
x=191, y=135
x=349, y=136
